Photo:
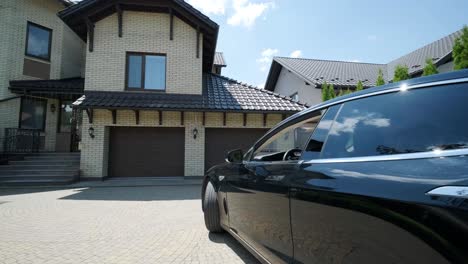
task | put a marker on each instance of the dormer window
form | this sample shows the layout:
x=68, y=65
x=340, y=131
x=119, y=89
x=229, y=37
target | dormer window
x=38, y=41
x=146, y=71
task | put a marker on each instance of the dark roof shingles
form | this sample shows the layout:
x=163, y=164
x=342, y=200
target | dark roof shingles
x=220, y=94
x=219, y=60
x=71, y=85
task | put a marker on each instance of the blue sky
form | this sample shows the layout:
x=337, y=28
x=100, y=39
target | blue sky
x=252, y=31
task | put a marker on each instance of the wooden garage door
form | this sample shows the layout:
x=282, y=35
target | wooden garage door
x=221, y=140
x=146, y=152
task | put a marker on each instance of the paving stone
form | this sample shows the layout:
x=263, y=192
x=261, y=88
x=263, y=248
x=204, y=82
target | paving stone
x=110, y=225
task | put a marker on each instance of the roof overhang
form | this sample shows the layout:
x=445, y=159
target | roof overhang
x=76, y=17
x=64, y=88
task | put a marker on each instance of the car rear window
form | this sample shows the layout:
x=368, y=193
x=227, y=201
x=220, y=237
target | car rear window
x=417, y=120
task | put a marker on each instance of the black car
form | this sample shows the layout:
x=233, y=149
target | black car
x=379, y=176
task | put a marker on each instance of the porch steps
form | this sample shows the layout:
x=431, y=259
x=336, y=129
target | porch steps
x=41, y=169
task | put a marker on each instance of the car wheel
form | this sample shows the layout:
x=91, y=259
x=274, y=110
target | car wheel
x=211, y=209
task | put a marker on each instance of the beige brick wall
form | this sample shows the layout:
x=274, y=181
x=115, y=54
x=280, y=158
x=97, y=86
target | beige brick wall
x=65, y=54
x=144, y=32
x=94, y=151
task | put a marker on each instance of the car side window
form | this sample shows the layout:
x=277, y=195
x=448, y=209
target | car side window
x=318, y=138
x=293, y=137
x=419, y=120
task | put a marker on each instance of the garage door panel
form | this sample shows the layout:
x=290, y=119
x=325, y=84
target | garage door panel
x=219, y=141
x=146, y=152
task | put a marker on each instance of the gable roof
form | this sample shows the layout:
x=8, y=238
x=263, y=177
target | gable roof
x=346, y=74
x=220, y=94
x=219, y=60
x=76, y=16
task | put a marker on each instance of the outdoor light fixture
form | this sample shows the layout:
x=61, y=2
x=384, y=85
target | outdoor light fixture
x=52, y=108
x=195, y=133
x=91, y=132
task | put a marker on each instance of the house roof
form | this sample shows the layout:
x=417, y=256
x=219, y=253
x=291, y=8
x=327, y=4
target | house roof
x=316, y=72
x=69, y=86
x=220, y=94
x=343, y=73
x=76, y=16
x=219, y=60
x=439, y=51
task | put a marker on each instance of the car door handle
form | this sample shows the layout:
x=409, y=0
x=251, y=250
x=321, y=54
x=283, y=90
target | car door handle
x=451, y=191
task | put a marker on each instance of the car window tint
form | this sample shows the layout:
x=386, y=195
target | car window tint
x=314, y=147
x=410, y=121
x=293, y=137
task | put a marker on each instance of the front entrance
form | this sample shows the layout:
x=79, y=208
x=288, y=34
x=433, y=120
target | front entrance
x=68, y=128
x=146, y=152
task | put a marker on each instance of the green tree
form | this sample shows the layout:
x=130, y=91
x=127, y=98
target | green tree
x=341, y=93
x=348, y=91
x=460, y=51
x=359, y=86
x=380, y=79
x=430, y=68
x=331, y=92
x=325, y=92
x=401, y=73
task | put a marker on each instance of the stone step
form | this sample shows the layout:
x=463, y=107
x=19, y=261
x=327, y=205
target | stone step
x=67, y=158
x=21, y=173
x=45, y=162
x=41, y=166
x=45, y=180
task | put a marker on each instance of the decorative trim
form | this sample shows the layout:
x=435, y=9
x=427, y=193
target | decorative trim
x=90, y=113
x=120, y=18
x=114, y=116
x=171, y=24
x=396, y=157
x=137, y=116
x=90, y=27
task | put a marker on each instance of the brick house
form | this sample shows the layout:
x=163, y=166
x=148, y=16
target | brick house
x=301, y=79
x=147, y=79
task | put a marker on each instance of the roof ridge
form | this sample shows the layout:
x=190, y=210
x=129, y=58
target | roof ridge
x=261, y=90
x=353, y=62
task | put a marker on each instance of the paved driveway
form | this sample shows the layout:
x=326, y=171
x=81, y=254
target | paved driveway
x=110, y=225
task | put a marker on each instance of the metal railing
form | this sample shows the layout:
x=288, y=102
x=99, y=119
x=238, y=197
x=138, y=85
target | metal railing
x=19, y=140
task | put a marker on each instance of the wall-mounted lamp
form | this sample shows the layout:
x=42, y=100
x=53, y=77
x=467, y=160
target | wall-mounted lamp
x=91, y=132
x=195, y=133
x=52, y=108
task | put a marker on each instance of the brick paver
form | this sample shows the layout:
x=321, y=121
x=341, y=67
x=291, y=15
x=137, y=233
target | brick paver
x=162, y=224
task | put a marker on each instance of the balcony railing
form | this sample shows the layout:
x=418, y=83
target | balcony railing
x=18, y=140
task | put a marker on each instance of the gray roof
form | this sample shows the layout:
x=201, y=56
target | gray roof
x=343, y=73
x=338, y=73
x=220, y=94
x=438, y=51
x=219, y=60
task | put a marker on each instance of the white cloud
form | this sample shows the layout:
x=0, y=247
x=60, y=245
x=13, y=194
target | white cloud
x=372, y=37
x=296, y=54
x=356, y=60
x=215, y=7
x=266, y=58
x=246, y=12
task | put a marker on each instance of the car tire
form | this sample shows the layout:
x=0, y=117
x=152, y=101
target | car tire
x=211, y=209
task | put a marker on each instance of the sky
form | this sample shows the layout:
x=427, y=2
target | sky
x=374, y=31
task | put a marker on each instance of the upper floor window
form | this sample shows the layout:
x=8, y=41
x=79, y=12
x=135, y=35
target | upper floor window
x=146, y=71
x=38, y=41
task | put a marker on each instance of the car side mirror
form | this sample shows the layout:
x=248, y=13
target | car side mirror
x=235, y=156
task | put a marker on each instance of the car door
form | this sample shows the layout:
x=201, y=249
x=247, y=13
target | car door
x=372, y=185
x=258, y=197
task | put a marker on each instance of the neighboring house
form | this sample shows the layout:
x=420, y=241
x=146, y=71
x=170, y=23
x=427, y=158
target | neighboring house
x=154, y=103
x=37, y=45
x=301, y=79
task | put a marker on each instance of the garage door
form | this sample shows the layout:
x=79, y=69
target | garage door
x=221, y=140
x=146, y=152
